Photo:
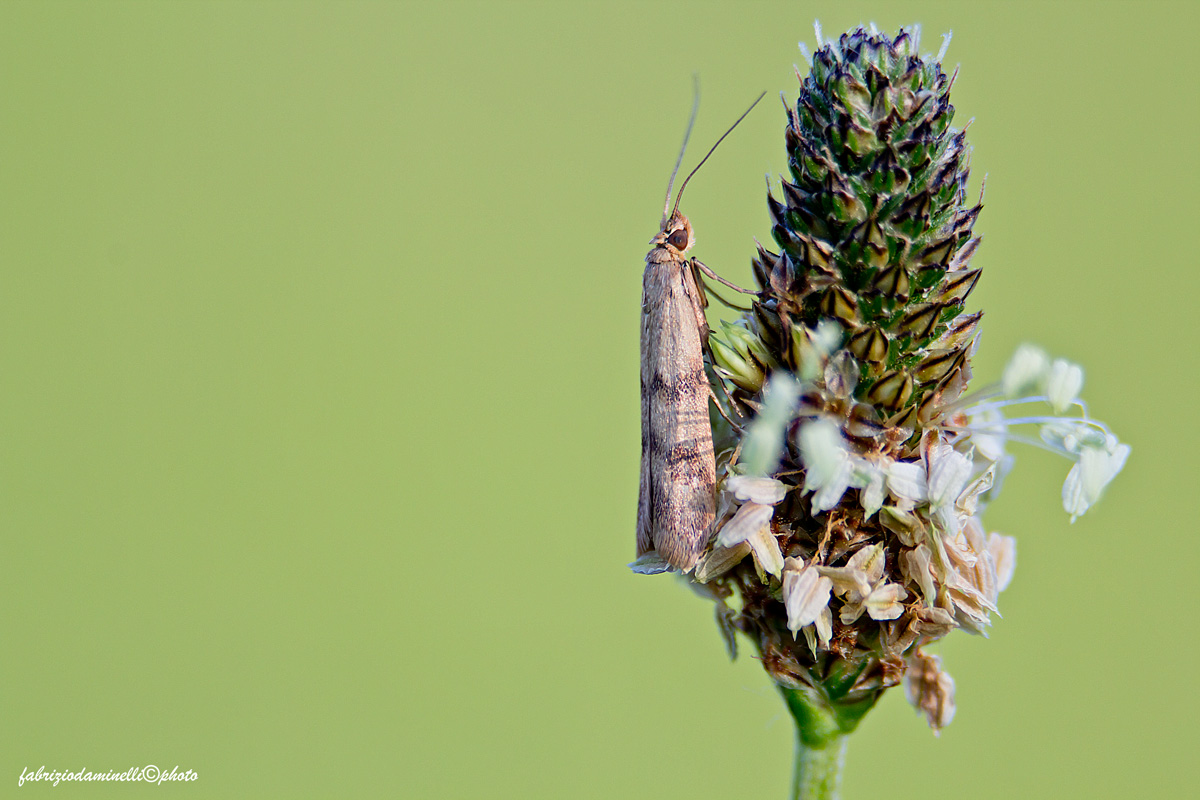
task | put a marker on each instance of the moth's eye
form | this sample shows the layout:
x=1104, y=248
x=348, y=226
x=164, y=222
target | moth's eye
x=678, y=239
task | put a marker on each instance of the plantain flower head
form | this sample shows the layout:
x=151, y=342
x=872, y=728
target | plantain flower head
x=858, y=463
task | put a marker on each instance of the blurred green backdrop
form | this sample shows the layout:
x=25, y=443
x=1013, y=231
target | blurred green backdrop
x=319, y=352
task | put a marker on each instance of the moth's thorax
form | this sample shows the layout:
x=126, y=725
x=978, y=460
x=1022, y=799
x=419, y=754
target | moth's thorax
x=665, y=254
x=672, y=241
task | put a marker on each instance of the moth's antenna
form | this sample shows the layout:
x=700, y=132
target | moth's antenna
x=710, y=152
x=686, y=134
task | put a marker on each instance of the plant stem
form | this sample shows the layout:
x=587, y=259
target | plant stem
x=822, y=728
x=818, y=773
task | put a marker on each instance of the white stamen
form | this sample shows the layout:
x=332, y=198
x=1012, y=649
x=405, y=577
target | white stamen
x=946, y=37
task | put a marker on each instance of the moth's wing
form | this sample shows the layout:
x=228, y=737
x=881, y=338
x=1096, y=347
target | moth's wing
x=650, y=322
x=681, y=467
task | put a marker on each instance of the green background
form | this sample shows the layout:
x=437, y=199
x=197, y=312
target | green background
x=318, y=341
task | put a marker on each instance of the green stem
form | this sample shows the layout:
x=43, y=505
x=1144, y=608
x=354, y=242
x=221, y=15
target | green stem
x=819, y=769
x=822, y=728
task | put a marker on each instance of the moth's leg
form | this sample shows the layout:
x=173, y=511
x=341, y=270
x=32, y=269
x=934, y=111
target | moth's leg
x=692, y=289
x=712, y=365
x=737, y=452
x=709, y=290
x=701, y=266
x=700, y=285
x=696, y=293
x=721, y=409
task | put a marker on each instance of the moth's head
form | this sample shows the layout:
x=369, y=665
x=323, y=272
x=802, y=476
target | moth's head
x=675, y=235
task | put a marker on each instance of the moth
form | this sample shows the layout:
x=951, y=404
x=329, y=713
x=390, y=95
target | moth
x=676, y=496
x=677, y=489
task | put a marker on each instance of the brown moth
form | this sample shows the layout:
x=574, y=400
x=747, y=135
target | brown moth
x=677, y=492
x=676, y=500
